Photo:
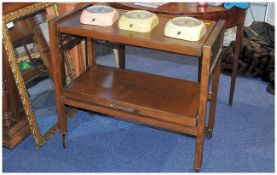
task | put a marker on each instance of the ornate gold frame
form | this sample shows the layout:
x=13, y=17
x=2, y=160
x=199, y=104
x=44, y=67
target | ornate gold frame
x=35, y=131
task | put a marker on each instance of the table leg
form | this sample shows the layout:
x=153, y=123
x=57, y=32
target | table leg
x=199, y=68
x=90, y=53
x=57, y=77
x=62, y=60
x=119, y=54
x=235, y=62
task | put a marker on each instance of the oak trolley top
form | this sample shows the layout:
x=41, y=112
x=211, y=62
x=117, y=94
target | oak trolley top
x=154, y=39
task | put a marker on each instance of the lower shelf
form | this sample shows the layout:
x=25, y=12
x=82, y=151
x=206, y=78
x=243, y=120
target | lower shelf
x=136, y=93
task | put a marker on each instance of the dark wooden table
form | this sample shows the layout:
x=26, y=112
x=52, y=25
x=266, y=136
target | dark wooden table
x=162, y=102
x=232, y=17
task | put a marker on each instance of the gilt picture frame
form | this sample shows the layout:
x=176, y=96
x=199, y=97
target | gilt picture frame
x=39, y=138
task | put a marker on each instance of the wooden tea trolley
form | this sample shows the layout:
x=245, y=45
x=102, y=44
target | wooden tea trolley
x=157, y=101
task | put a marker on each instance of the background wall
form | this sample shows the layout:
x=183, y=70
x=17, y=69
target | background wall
x=270, y=17
x=261, y=11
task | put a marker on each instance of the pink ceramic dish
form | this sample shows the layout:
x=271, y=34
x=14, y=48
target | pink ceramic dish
x=99, y=15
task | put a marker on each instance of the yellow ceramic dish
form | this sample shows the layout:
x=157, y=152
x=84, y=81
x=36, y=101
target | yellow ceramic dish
x=138, y=21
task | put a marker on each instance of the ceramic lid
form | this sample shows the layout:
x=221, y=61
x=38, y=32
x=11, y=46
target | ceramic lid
x=139, y=14
x=99, y=9
x=186, y=21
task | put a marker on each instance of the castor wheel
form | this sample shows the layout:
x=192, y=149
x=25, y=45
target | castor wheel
x=208, y=133
x=64, y=140
x=196, y=170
